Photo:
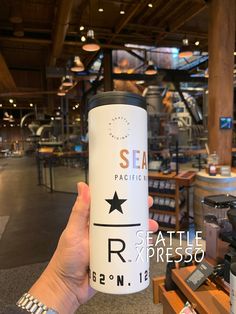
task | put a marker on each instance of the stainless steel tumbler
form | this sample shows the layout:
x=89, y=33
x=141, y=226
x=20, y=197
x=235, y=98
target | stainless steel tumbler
x=118, y=179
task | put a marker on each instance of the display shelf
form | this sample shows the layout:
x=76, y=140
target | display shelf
x=164, y=212
x=209, y=298
x=162, y=194
x=178, y=184
x=164, y=228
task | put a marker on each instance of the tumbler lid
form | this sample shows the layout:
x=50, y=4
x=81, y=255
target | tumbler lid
x=117, y=98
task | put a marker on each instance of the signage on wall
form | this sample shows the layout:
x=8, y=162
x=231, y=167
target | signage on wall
x=226, y=123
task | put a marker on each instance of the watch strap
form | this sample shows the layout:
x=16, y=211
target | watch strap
x=33, y=305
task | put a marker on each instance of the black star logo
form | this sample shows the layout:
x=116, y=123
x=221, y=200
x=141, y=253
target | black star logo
x=115, y=203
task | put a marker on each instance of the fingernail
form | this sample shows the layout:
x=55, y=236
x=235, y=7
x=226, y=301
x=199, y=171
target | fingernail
x=80, y=188
x=83, y=192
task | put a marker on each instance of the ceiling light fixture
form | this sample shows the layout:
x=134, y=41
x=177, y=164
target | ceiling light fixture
x=91, y=44
x=11, y=101
x=31, y=105
x=14, y=105
x=81, y=28
x=0, y=105
x=122, y=10
x=61, y=93
x=100, y=8
x=151, y=69
x=197, y=42
x=83, y=38
x=77, y=65
x=185, y=51
x=18, y=30
x=150, y=5
x=67, y=81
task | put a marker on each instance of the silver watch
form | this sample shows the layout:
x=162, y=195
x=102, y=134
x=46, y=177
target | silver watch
x=33, y=305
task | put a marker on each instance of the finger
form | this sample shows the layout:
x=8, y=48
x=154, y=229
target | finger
x=153, y=225
x=79, y=217
x=150, y=201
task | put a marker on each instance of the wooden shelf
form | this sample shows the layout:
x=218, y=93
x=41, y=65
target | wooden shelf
x=163, y=228
x=164, y=212
x=162, y=194
x=160, y=176
x=182, y=182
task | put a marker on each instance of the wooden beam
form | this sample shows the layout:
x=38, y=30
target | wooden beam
x=31, y=94
x=221, y=65
x=144, y=14
x=128, y=16
x=168, y=75
x=62, y=23
x=6, y=78
x=107, y=66
x=171, y=13
x=164, y=9
x=80, y=10
x=157, y=29
x=25, y=40
x=187, y=15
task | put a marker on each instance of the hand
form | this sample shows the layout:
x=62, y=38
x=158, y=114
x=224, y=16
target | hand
x=64, y=284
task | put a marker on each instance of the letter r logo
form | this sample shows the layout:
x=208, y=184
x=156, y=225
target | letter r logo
x=113, y=248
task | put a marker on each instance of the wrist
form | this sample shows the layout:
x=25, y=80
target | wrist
x=54, y=293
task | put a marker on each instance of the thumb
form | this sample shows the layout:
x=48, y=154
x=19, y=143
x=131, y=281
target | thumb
x=79, y=217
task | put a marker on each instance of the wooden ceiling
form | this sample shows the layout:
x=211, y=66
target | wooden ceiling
x=51, y=35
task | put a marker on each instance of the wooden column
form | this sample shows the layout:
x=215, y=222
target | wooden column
x=221, y=37
x=107, y=64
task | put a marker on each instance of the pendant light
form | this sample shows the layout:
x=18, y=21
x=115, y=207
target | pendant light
x=185, y=51
x=100, y=7
x=61, y=93
x=77, y=65
x=18, y=30
x=67, y=81
x=151, y=69
x=122, y=10
x=91, y=44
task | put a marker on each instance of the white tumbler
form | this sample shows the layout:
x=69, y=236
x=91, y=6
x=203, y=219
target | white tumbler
x=118, y=179
x=233, y=288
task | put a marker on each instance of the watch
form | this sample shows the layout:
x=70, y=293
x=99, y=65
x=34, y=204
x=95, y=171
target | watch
x=33, y=305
